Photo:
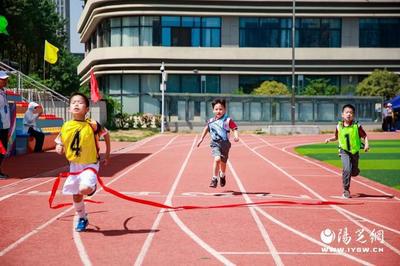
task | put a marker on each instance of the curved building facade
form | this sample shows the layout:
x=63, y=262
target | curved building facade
x=219, y=46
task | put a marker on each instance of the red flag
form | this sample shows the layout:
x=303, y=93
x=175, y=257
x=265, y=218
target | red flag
x=94, y=88
x=3, y=151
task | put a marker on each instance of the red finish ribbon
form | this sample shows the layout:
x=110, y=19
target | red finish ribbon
x=163, y=206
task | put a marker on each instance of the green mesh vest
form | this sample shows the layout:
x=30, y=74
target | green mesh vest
x=349, y=139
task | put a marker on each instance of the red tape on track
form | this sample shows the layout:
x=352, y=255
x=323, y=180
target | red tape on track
x=163, y=206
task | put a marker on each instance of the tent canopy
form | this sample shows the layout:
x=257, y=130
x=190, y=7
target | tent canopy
x=395, y=103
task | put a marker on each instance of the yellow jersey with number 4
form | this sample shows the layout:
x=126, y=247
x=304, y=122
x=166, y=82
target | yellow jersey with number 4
x=80, y=142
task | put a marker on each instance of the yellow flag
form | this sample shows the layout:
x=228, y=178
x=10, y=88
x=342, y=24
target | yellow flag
x=50, y=52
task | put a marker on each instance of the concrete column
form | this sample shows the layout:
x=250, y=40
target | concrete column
x=229, y=83
x=230, y=32
x=350, y=32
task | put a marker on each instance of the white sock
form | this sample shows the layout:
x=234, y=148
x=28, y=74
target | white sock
x=80, y=209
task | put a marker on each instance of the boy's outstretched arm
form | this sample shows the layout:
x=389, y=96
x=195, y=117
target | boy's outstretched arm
x=366, y=144
x=108, y=148
x=59, y=145
x=235, y=135
x=203, y=134
x=331, y=139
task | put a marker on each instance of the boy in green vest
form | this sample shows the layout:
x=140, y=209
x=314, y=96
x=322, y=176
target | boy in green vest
x=349, y=134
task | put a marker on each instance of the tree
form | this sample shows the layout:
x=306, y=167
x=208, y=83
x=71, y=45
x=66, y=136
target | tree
x=271, y=87
x=63, y=76
x=30, y=23
x=380, y=83
x=319, y=87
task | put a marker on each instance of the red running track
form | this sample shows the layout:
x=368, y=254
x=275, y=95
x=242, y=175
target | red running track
x=169, y=169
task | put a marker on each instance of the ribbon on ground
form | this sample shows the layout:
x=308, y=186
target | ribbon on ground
x=185, y=207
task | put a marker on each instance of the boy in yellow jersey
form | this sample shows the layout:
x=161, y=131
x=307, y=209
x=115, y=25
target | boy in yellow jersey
x=349, y=133
x=78, y=140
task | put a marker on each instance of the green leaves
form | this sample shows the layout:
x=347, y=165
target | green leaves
x=320, y=87
x=271, y=88
x=380, y=83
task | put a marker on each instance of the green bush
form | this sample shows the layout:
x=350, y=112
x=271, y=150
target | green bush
x=380, y=83
x=271, y=87
x=319, y=87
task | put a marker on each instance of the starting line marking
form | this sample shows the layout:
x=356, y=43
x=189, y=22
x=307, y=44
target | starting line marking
x=279, y=252
x=191, y=194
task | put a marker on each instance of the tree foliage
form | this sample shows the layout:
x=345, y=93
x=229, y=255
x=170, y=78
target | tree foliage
x=271, y=88
x=319, y=87
x=30, y=23
x=380, y=83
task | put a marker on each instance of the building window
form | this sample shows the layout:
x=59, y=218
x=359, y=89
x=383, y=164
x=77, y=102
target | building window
x=379, y=32
x=265, y=32
x=318, y=32
x=130, y=31
x=131, y=90
x=193, y=83
x=191, y=31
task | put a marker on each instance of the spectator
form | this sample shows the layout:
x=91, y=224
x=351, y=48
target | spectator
x=389, y=117
x=30, y=117
x=4, y=119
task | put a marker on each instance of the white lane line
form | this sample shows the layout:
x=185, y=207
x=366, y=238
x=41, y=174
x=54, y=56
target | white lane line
x=183, y=227
x=51, y=179
x=77, y=238
x=326, y=168
x=36, y=230
x=263, y=231
x=280, y=253
x=338, y=209
x=79, y=244
x=338, y=174
x=180, y=223
x=25, y=189
x=309, y=238
x=272, y=219
x=15, y=183
x=32, y=233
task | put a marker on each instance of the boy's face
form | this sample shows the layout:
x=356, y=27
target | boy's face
x=219, y=110
x=78, y=106
x=348, y=114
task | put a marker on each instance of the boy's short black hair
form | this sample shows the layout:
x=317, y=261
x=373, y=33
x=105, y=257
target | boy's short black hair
x=218, y=101
x=82, y=95
x=349, y=106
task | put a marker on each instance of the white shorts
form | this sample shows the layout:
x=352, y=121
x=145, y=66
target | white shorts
x=87, y=178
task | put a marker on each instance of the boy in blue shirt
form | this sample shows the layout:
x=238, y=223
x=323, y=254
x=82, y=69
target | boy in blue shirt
x=219, y=127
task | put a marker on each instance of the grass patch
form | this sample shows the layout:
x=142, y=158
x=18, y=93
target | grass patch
x=381, y=163
x=132, y=135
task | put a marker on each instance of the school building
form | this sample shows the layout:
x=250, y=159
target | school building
x=216, y=47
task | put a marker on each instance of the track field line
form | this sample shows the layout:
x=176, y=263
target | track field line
x=338, y=209
x=287, y=227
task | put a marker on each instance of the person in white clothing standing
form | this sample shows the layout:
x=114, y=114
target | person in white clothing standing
x=4, y=119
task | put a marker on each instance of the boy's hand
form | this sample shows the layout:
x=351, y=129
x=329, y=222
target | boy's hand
x=366, y=148
x=59, y=149
x=327, y=140
x=106, y=161
x=198, y=143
